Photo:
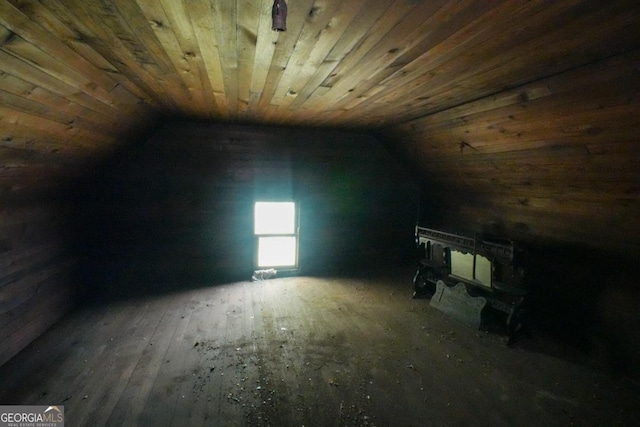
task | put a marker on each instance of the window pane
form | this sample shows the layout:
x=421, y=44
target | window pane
x=483, y=270
x=275, y=218
x=462, y=264
x=277, y=251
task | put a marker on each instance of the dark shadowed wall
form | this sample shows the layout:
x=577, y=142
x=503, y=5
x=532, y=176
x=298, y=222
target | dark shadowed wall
x=178, y=210
x=37, y=262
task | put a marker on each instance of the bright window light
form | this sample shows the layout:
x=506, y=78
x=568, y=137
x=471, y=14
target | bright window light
x=277, y=251
x=462, y=265
x=275, y=228
x=275, y=218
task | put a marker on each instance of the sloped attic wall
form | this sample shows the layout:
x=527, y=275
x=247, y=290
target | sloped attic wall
x=178, y=210
x=36, y=266
x=556, y=159
x=39, y=258
x=553, y=164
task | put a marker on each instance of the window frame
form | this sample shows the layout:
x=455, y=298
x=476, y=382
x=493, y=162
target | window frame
x=295, y=234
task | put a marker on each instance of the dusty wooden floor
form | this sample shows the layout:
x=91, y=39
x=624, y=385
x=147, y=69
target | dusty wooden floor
x=302, y=351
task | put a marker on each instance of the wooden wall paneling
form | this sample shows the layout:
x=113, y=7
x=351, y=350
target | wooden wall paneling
x=225, y=17
x=472, y=41
x=620, y=147
x=566, y=138
x=52, y=23
x=154, y=45
x=14, y=66
x=250, y=14
x=52, y=88
x=575, y=162
x=523, y=186
x=308, y=56
x=567, y=208
x=266, y=41
x=29, y=216
x=12, y=174
x=14, y=318
x=19, y=187
x=56, y=129
x=49, y=106
x=179, y=15
x=17, y=259
x=531, y=229
x=115, y=50
x=201, y=16
x=390, y=19
x=461, y=82
x=582, y=169
x=23, y=137
x=317, y=20
x=128, y=21
x=540, y=164
x=21, y=291
x=559, y=86
x=522, y=116
x=554, y=45
x=410, y=32
x=34, y=325
x=604, y=138
x=58, y=70
x=576, y=106
x=25, y=158
x=399, y=60
x=299, y=14
x=144, y=115
x=40, y=102
x=542, y=227
x=36, y=263
x=25, y=105
x=620, y=191
x=455, y=15
x=19, y=24
x=353, y=37
x=517, y=135
x=173, y=30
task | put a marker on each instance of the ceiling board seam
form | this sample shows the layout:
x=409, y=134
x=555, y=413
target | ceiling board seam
x=516, y=88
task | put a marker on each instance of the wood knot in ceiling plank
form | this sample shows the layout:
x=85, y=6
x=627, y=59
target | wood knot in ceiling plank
x=156, y=24
x=7, y=37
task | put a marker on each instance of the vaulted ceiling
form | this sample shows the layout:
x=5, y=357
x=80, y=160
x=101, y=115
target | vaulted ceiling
x=79, y=76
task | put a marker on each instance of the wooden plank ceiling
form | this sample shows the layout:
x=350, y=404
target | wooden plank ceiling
x=78, y=76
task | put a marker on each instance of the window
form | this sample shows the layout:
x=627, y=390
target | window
x=476, y=269
x=276, y=231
